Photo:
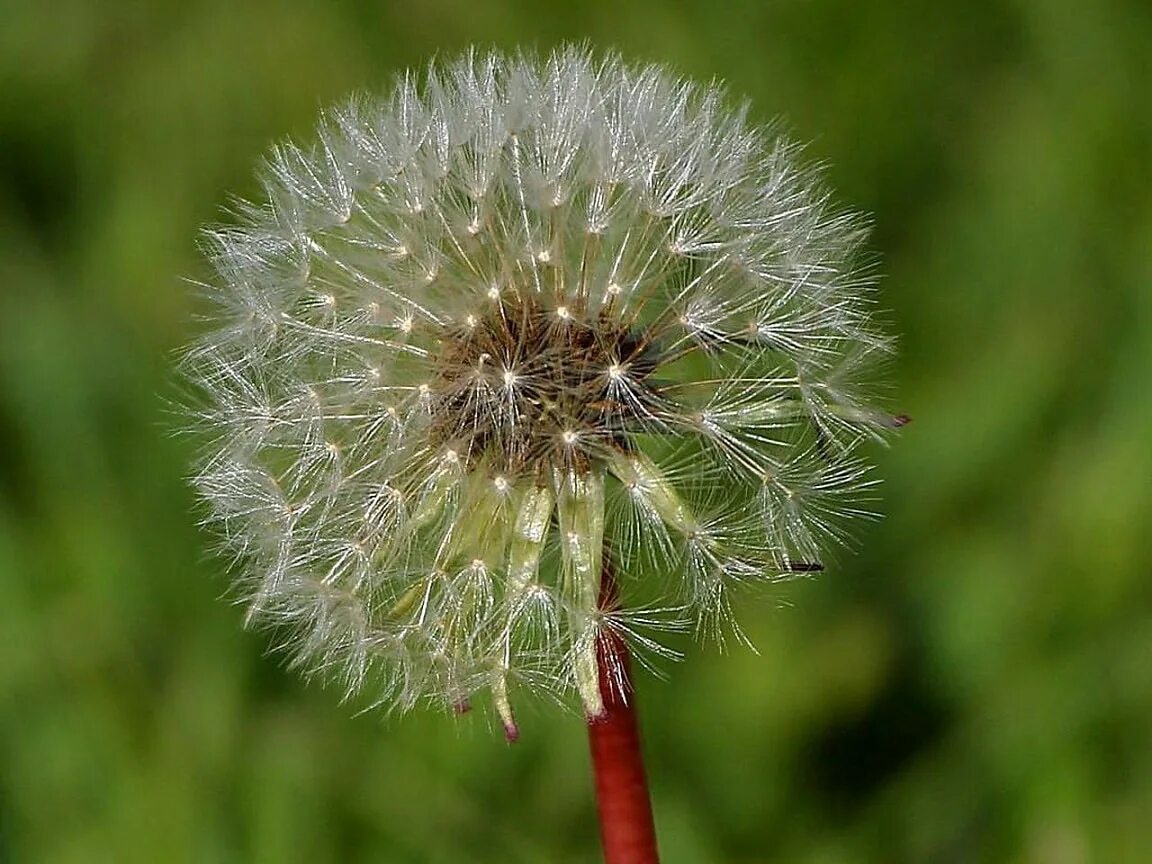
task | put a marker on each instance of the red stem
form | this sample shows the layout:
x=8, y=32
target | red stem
x=626, y=828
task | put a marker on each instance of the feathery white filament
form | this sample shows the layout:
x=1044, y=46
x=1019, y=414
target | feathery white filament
x=495, y=330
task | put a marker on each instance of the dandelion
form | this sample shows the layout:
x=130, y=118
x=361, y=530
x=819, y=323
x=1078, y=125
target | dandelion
x=526, y=363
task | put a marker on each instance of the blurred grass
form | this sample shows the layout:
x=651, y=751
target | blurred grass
x=975, y=686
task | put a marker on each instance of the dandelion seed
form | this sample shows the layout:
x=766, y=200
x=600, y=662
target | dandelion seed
x=428, y=488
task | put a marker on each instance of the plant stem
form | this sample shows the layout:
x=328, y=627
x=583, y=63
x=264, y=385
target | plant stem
x=627, y=832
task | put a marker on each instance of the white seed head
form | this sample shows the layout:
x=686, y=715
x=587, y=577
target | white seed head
x=604, y=323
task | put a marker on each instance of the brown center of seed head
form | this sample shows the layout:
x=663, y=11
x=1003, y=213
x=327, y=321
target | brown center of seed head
x=532, y=387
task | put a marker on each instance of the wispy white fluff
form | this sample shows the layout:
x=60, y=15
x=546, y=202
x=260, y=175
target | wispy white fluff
x=519, y=321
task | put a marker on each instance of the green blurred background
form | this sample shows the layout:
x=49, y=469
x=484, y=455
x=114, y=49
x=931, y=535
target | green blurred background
x=974, y=686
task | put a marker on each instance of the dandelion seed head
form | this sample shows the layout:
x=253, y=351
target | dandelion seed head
x=497, y=330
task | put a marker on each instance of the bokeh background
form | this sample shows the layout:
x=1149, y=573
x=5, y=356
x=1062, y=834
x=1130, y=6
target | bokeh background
x=974, y=686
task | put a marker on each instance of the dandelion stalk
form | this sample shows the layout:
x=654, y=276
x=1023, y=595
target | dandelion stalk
x=627, y=832
x=520, y=367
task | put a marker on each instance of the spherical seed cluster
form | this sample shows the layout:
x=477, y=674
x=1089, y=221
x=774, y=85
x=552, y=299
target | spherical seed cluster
x=511, y=326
